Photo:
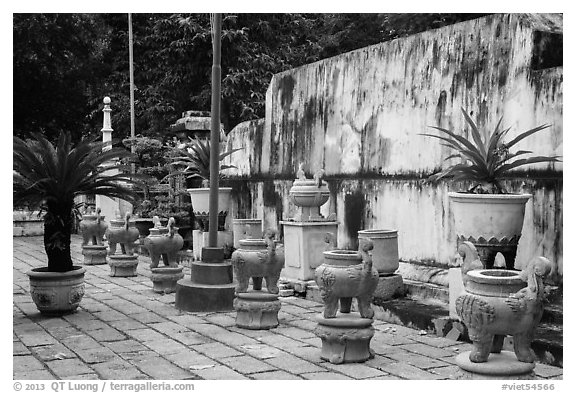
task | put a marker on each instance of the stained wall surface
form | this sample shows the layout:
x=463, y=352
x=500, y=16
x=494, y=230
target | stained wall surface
x=359, y=115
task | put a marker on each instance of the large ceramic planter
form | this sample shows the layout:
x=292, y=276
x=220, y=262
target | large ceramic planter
x=344, y=276
x=57, y=293
x=385, y=252
x=493, y=223
x=200, y=198
x=499, y=302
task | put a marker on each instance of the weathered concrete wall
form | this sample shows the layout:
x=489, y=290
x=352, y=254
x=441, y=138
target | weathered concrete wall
x=358, y=116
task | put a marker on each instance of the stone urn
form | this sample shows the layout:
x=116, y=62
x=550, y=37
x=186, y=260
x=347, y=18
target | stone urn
x=57, y=293
x=246, y=228
x=164, y=242
x=309, y=195
x=257, y=259
x=123, y=232
x=345, y=275
x=500, y=302
x=385, y=254
x=93, y=228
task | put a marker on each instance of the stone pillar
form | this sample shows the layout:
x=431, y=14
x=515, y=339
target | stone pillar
x=109, y=206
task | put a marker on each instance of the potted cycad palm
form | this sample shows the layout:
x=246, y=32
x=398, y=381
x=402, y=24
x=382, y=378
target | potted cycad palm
x=51, y=176
x=194, y=159
x=487, y=214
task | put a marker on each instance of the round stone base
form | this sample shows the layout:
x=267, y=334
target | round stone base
x=346, y=338
x=196, y=297
x=256, y=310
x=503, y=365
x=164, y=279
x=94, y=255
x=123, y=265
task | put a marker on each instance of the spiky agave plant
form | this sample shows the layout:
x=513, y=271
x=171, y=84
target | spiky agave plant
x=51, y=176
x=195, y=159
x=485, y=163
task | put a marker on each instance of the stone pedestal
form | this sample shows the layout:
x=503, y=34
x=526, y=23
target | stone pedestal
x=94, y=255
x=346, y=338
x=256, y=310
x=503, y=365
x=389, y=287
x=122, y=265
x=210, y=287
x=304, y=243
x=164, y=278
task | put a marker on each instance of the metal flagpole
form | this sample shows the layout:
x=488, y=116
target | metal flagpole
x=131, y=60
x=216, y=20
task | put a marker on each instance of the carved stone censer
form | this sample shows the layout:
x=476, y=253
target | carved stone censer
x=257, y=259
x=345, y=275
x=122, y=232
x=497, y=303
x=164, y=242
x=93, y=227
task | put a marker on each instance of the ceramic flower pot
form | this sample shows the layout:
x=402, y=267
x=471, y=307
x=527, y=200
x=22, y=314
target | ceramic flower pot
x=57, y=293
x=492, y=222
x=201, y=199
x=344, y=276
x=499, y=302
x=385, y=254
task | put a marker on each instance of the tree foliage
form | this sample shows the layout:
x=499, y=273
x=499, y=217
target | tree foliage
x=64, y=64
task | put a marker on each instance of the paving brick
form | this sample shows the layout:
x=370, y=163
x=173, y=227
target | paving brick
x=448, y=372
x=440, y=342
x=118, y=369
x=186, y=319
x=304, y=324
x=106, y=334
x=427, y=350
x=392, y=339
x=159, y=368
x=69, y=368
x=165, y=346
x=53, y=352
x=221, y=320
x=234, y=339
x=407, y=371
x=190, y=338
x=32, y=339
x=284, y=342
x=26, y=362
x=189, y=359
x=64, y=333
x=294, y=332
x=96, y=355
x=324, y=376
x=417, y=360
x=19, y=349
x=111, y=315
x=33, y=375
x=218, y=372
x=262, y=351
x=81, y=341
x=124, y=306
x=309, y=353
x=125, y=346
x=145, y=335
x=216, y=350
x=274, y=375
x=247, y=364
x=147, y=317
x=127, y=324
x=294, y=364
x=354, y=370
x=168, y=327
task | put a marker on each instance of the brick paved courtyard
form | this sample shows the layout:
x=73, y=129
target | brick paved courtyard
x=123, y=330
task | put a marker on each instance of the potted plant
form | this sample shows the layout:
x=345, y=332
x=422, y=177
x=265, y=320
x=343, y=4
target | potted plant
x=51, y=176
x=195, y=160
x=487, y=214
